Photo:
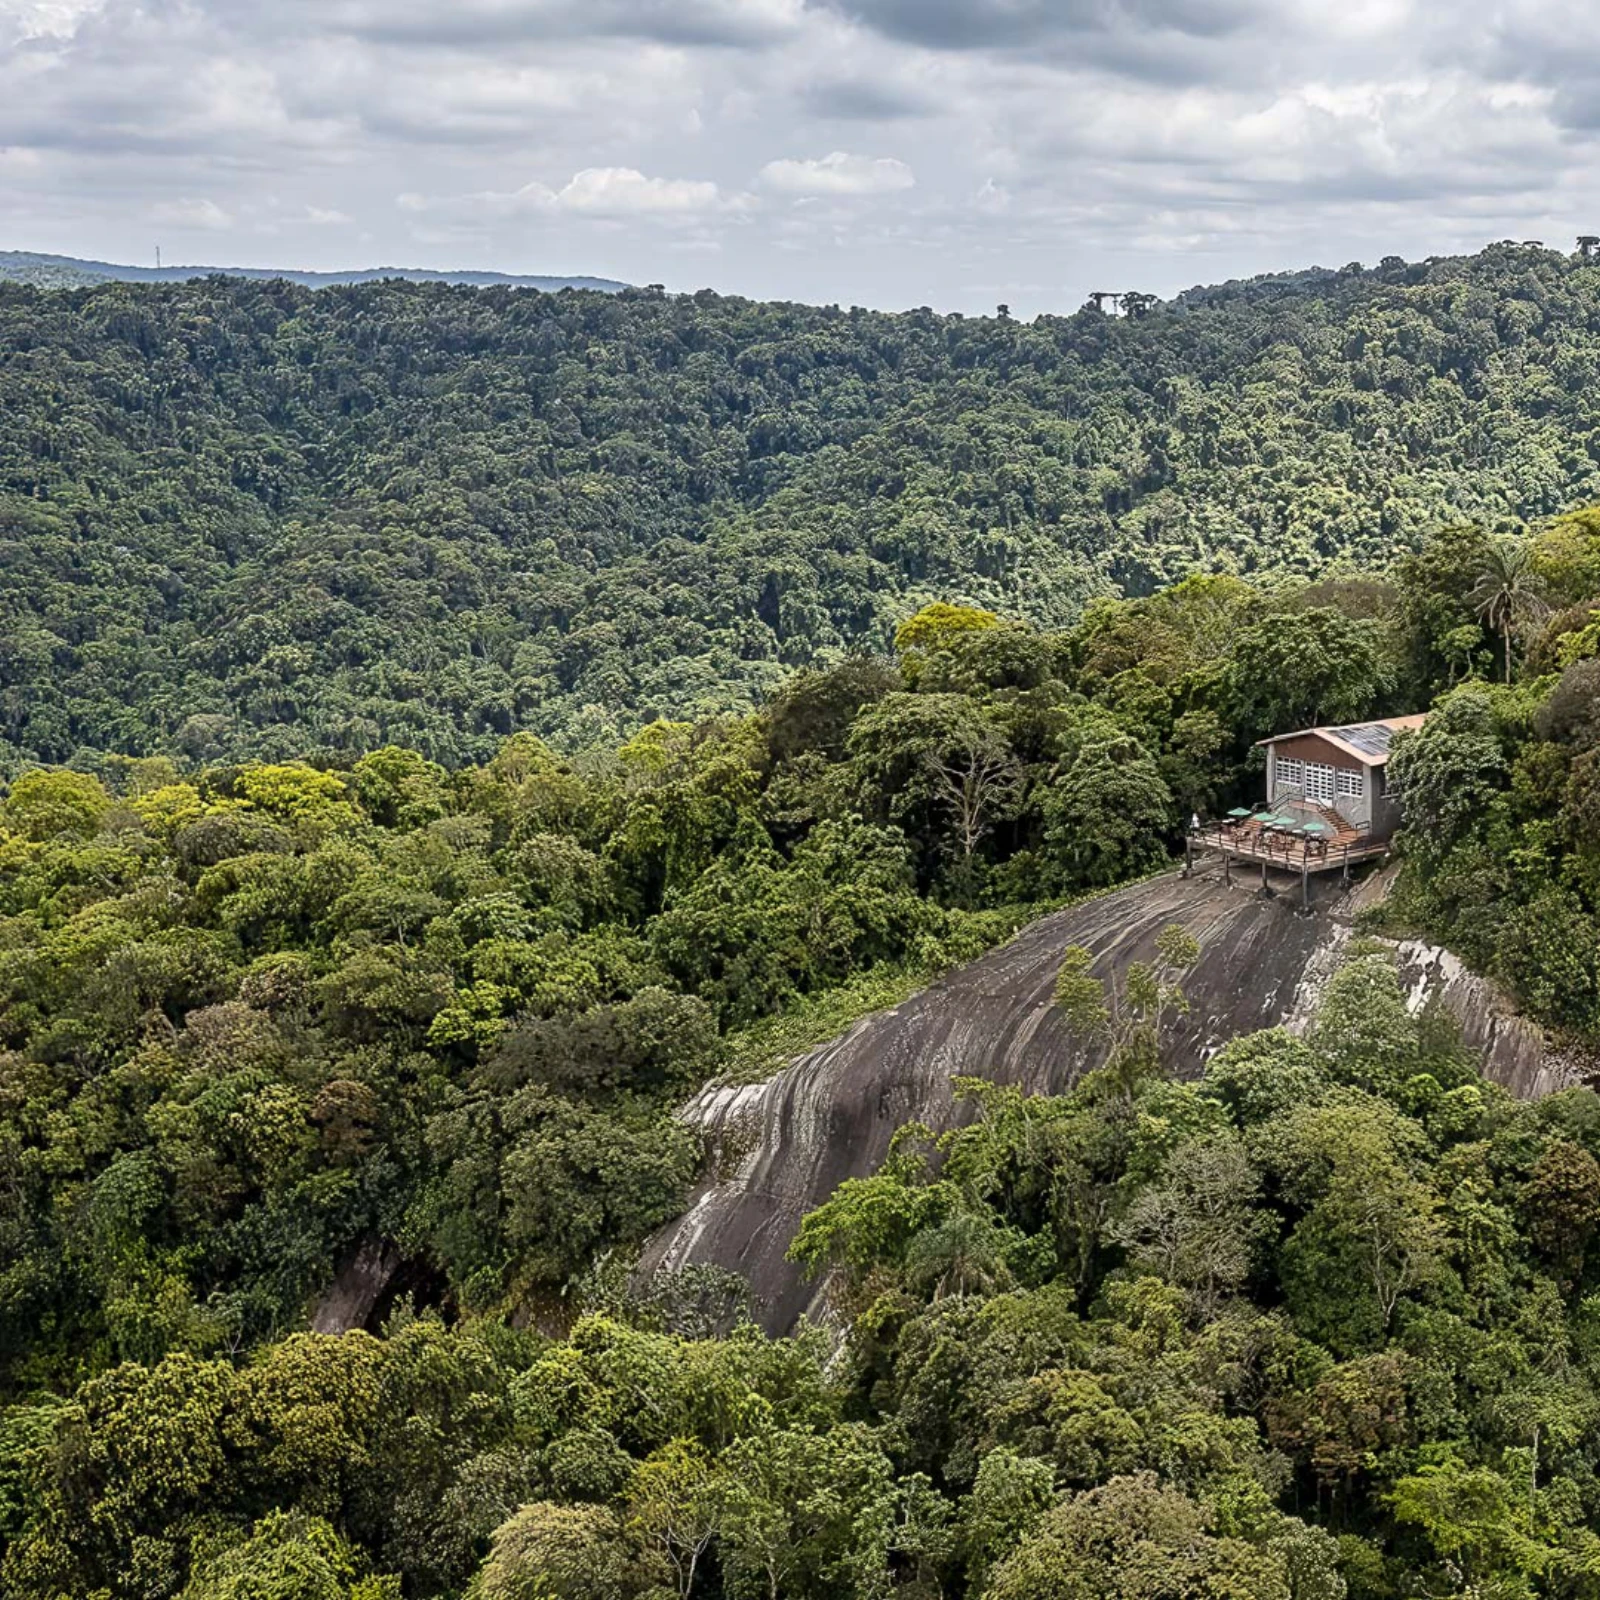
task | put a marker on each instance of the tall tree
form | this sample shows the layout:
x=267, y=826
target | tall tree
x=1508, y=593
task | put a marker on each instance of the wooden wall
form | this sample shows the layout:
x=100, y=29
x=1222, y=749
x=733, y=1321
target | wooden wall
x=1313, y=747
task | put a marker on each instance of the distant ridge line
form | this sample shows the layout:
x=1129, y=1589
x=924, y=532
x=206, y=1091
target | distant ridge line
x=72, y=272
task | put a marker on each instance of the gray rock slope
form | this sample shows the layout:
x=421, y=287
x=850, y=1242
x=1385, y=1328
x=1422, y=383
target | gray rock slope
x=781, y=1147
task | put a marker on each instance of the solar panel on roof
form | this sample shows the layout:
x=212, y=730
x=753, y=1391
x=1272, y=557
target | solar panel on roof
x=1371, y=738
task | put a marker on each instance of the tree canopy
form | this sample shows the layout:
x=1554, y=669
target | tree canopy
x=248, y=520
x=445, y=730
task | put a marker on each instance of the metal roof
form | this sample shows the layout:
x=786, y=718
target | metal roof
x=1368, y=742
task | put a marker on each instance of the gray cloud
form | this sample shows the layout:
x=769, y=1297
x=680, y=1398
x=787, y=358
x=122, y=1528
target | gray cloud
x=864, y=100
x=740, y=24
x=1009, y=24
x=768, y=146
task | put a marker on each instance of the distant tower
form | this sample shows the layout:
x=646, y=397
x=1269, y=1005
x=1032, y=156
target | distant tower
x=1100, y=296
x=158, y=258
x=1587, y=244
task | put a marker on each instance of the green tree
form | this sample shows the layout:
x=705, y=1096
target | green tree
x=1009, y=1496
x=1561, y=1202
x=1131, y=1539
x=1107, y=813
x=1438, y=625
x=805, y=1514
x=939, y=625
x=1508, y=593
x=935, y=765
x=578, y=1179
x=1469, y=1516
x=1302, y=669
x=672, y=1508
x=1196, y=1225
x=45, y=805
x=288, y=1556
x=554, y=1552
x=1371, y=1233
x=1125, y=1020
x=1449, y=771
x=1362, y=1029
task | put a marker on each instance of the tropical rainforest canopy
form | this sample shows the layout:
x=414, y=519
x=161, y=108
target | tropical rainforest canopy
x=352, y=890
x=253, y=520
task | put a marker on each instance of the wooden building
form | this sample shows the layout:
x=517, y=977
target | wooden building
x=1341, y=771
x=1328, y=804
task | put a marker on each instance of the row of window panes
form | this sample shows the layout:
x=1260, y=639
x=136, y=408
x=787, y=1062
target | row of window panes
x=1318, y=781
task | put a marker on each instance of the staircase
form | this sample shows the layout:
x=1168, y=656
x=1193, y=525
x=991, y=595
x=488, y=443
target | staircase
x=1344, y=831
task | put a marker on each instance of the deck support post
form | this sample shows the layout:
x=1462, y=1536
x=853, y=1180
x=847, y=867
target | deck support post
x=1188, y=855
x=1305, y=887
x=1227, y=869
x=1265, y=891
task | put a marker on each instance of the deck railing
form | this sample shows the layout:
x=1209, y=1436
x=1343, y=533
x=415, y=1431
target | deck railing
x=1249, y=840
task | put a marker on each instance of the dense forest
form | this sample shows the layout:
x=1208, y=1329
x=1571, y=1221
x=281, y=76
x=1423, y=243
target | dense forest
x=253, y=521
x=1321, y=1325
x=445, y=729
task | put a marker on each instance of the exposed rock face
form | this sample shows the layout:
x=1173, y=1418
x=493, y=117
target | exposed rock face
x=781, y=1147
x=354, y=1294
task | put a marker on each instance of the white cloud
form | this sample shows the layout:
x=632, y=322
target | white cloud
x=326, y=217
x=192, y=213
x=625, y=192
x=992, y=197
x=44, y=19
x=839, y=174
x=604, y=193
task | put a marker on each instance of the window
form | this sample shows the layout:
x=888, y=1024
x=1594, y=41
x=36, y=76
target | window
x=1320, y=782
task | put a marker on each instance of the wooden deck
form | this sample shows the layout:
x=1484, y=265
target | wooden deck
x=1248, y=842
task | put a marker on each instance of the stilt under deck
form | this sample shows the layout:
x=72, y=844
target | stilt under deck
x=1249, y=843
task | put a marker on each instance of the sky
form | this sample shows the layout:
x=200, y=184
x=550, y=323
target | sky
x=893, y=153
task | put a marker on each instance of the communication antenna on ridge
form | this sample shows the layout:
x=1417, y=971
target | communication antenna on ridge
x=158, y=258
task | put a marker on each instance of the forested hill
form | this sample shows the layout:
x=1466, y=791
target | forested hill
x=244, y=518
x=74, y=272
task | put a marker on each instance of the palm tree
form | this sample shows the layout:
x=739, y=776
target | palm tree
x=961, y=1256
x=1507, y=592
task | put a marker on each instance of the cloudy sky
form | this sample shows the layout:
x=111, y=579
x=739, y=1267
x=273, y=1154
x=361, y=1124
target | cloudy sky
x=955, y=153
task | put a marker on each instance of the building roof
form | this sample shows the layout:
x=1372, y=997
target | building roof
x=1367, y=742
